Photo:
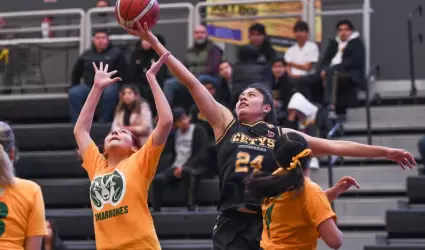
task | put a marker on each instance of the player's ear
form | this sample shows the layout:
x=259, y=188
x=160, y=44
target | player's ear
x=267, y=108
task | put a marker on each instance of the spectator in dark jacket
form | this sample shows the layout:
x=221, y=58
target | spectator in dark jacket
x=202, y=59
x=258, y=38
x=248, y=71
x=101, y=51
x=343, y=68
x=140, y=62
x=183, y=160
x=52, y=240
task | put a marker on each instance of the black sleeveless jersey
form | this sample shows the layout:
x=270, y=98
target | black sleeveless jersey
x=242, y=149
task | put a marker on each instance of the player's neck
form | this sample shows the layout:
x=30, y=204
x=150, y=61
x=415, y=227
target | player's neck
x=114, y=160
x=306, y=173
x=250, y=121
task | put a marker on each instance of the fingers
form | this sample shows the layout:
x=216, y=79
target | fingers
x=139, y=27
x=95, y=67
x=101, y=66
x=401, y=165
x=350, y=181
x=145, y=25
x=410, y=158
x=106, y=68
x=112, y=73
x=116, y=79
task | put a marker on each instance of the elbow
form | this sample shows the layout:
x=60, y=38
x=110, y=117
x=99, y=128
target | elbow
x=335, y=242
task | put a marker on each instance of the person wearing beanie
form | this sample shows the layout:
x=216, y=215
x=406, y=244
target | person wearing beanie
x=258, y=38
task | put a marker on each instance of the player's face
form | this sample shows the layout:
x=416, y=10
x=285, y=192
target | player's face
x=278, y=69
x=250, y=104
x=128, y=96
x=301, y=36
x=101, y=41
x=256, y=38
x=225, y=70
x=119, y=138
x=344, y=32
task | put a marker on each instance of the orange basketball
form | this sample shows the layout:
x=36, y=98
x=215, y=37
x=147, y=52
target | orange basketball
x=129, y=12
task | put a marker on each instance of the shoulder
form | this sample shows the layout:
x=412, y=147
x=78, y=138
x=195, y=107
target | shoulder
x=27, y=184
x=115, y=52
x=312, y=45
x=291, y=49
x=311, y=188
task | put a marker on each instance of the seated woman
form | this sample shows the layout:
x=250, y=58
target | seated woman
x=133, y=113
x=289, y=191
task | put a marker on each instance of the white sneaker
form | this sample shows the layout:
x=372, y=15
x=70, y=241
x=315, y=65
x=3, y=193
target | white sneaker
x=314, y=163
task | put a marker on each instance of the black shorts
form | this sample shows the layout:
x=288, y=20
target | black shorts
x=237, y=231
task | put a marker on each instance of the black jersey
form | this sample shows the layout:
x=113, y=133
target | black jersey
x=242, y=149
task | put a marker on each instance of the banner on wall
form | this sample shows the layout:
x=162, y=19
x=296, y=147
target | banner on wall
x=236, y=32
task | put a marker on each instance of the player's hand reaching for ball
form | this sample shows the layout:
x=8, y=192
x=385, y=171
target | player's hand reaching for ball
x=402, y=157
x=102, y=77
x=143, y=32
x=345, y=183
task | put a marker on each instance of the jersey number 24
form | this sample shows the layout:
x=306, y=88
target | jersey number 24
x=244, y=162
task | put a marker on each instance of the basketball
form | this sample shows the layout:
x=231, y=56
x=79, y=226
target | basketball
x=129, y=12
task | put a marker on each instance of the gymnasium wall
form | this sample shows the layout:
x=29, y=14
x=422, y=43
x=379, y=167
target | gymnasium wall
x=388, y=40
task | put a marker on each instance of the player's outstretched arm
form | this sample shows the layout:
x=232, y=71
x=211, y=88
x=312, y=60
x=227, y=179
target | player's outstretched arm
x=352, y=149
x=217, y=115
x=82, y=127
x=165, y=117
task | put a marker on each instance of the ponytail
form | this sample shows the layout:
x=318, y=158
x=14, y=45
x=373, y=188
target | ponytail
x=292, y=157
x=7, y=173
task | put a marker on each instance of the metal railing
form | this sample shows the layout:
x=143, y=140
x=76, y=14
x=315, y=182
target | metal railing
x=198, y=18
x=411, y=39
x=37, y=40
x=90, y=25
x=374, y=71
x=365, y=12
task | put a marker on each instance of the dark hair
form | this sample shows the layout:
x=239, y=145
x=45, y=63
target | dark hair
x=97, y=31
x=292, y=153
x=260, y=28
x=178, y=113
x=345, y=22
x=137, y=103
x=268, y=99
x=280, y=60
x=300, y=26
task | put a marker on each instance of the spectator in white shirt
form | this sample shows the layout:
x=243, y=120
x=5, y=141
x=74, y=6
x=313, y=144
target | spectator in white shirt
x=302, y=57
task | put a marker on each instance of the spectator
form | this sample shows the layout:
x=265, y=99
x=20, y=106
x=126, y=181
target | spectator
x=140, y=62
x=343, y=68
x=102, y=51
x=301, y=58
x=52, y=240
x=134, y=113
x=258, y=38
x=247, y=71
x=202, y=59
x=225, y=84
x=102, y=3
x=187, y=154
x=279, y=82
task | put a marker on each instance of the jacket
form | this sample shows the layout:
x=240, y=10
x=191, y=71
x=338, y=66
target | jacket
x=83, y=68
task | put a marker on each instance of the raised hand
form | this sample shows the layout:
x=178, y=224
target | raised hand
x=402, y=157
x=102, y=77
x=156, y=66
x=345, y=183
x=143, y=32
